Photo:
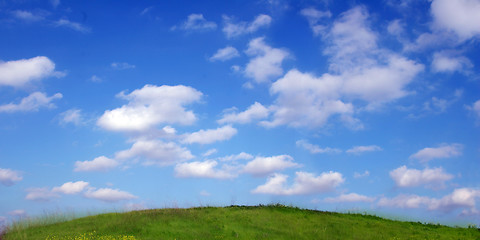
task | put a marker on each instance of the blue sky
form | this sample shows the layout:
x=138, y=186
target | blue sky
x=340, y=106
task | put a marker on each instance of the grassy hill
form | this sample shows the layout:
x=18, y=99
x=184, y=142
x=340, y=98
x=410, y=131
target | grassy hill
x=236, y=222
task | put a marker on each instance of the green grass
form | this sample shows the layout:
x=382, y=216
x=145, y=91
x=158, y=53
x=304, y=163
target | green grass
x=238, y=222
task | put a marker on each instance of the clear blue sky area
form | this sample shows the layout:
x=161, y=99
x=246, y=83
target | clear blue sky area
x=369, y=106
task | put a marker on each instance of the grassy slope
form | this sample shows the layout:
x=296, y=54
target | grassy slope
x=263, y=222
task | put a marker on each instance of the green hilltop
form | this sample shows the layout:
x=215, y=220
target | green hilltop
x=234, y=222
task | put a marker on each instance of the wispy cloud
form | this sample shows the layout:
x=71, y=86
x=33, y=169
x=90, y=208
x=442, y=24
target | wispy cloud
x=72, y=25
x=195, y=22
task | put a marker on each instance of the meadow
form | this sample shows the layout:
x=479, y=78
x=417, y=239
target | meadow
x=234, y=222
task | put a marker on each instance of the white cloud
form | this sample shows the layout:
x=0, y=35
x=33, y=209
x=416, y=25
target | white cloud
x=432, y=177
x=362, y=149
x=444, y=151
x=263, y=166
x=9, y=177
x=351, y=197
x=360, y=175
x=359, y=70
x=146, y=10
x=101, y=163
x=460, y=198
x=313, y=17
x=382, y=83
x=204, y=193
x=351, y=40
x=255, y=111
x=109, y=195
x=150, y=106
x=304, y=183
x=27, y=16
x=19, y=73
x=96, y=79
x=122, y=65
x=210, y=152
x=196, y=22
x=18, y=213
x=232, y=29
x=396, y=27
x=72, y=25
x=204, y=169
x=459, y=16
x=437, y=105
x=368, y=72
x=475, y=108
x=266, y=62
x=404, y=201
x=445, y=62
x=71, y=187
x=40, y=194
x=315, y=148
x=225, y=54
x=31, y=103
x=55, y=3
x=210, y=135
x=73, y=116
x=306, y=101
x=156, y=152
x=240, y=156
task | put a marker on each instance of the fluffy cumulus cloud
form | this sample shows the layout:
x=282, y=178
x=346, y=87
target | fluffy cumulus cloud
x=460, y=198
x=196, y=22
x=101, y=163
x=368, y=71
x=225, y=54
x=460, y=17
x=314, y=149
x=204, y=169
x=359, y=71
x=71, y=187
x=351, y=197
x=362, y=149
x=18, y=73
x=31, y=103
x=404, y=201
x=306, y=101
x=9, y=177
x=232, y=29
x=444, y=151
x=254, y=112
x=150, y=106
x=40, y=194
x=263, y=166
x=156, y=152
x=445, y=62
x=76, y=188
x=304, y=183
x=266, y=62
x=432, y=177
x=210, y=135
x=109, y=195
x=314, y=18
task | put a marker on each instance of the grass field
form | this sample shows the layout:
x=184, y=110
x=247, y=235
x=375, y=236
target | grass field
x=235, y=222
